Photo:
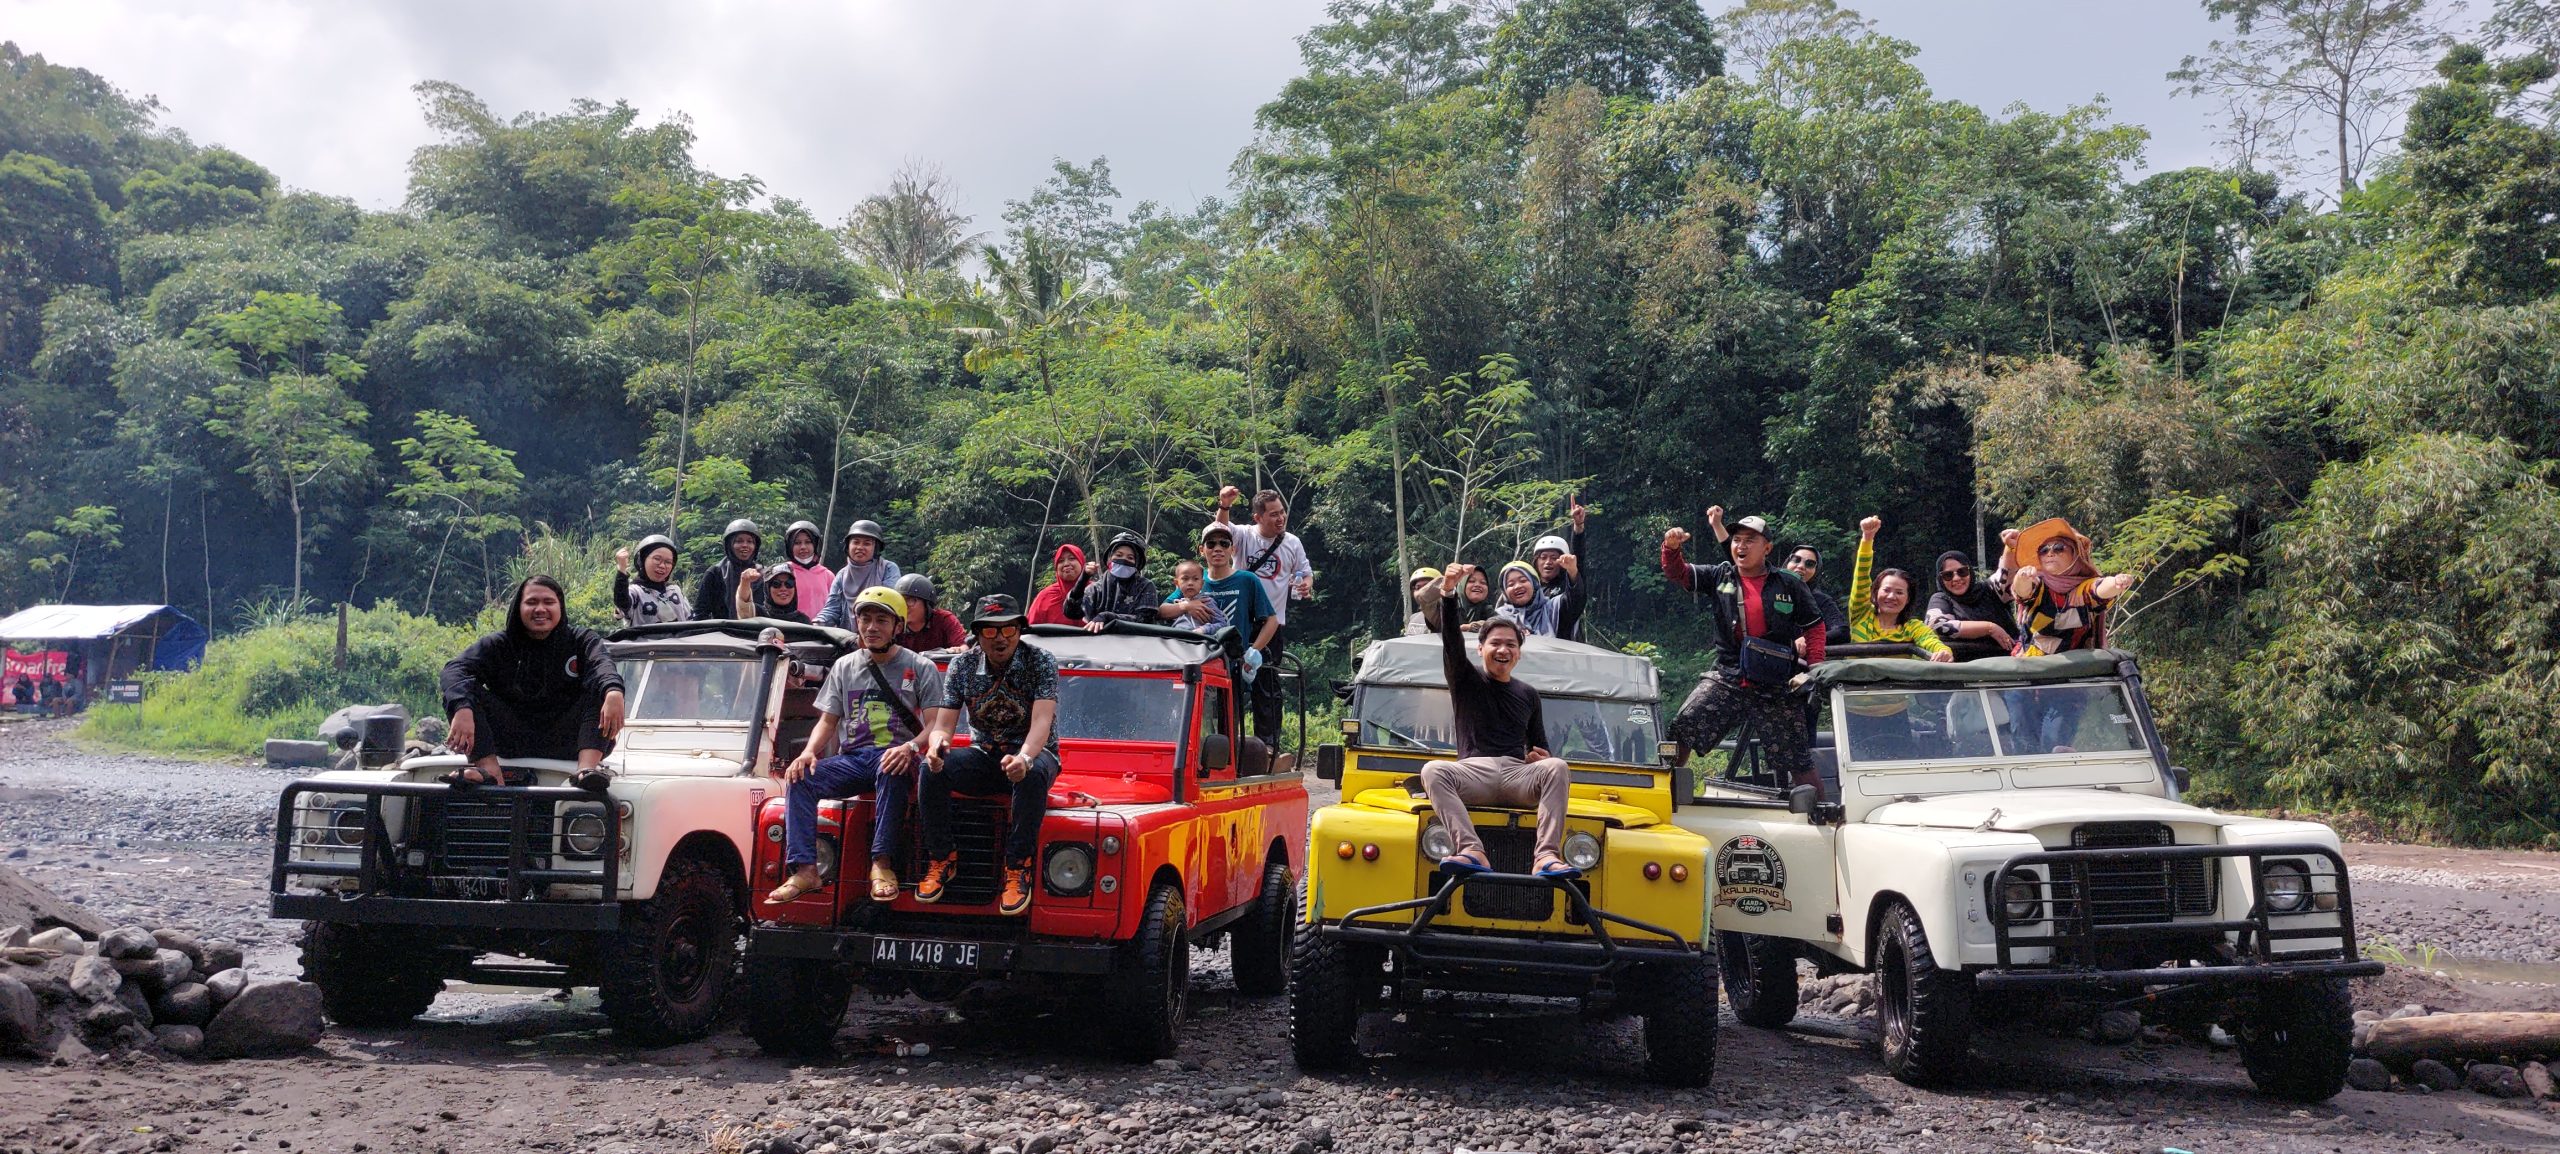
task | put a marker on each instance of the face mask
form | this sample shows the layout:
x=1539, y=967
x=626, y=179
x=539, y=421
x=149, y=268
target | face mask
x=1123, y=570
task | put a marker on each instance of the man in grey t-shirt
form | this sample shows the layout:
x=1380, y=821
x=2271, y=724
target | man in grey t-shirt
x=873, y=712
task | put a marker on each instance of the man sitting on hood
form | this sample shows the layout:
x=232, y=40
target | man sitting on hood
x=539, y=688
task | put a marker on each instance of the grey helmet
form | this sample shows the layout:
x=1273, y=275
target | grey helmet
x=796, y=529
x=742, y=525
x=866, y=528
x=916, y=587
x=640, y=556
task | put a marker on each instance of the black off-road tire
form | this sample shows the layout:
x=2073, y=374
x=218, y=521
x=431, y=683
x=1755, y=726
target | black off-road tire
x=1680, y=1020
x=2298, y=1037
x=369, y=976
x=1325, y=995
x=795, y=1005
x=667, y=972
x=1258, y=946
x=1759, y=975
x=1925, y=1013
x=1150, y=982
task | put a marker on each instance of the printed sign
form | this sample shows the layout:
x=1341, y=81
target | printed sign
x=1750, y=876
x=38, y=666
x=124, y=692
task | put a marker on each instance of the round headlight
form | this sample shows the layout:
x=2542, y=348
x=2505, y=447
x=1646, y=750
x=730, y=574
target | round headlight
x=346, y=826
x=828, y=853
x=1436, y=842
x=1581, y=850
x=2022, y=900
x=1069, y=869
x=584, y=833
x=2288, y=887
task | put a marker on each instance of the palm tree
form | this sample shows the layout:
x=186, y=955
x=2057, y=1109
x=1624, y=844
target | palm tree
x=1024, y=308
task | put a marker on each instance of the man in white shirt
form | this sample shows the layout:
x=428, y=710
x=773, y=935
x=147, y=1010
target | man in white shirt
x=1267, y=549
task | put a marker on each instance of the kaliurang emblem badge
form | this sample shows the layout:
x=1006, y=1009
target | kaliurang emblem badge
x=1750, y=876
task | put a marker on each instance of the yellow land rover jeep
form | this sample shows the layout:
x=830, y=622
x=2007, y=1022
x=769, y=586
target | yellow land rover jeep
x=1381, y=925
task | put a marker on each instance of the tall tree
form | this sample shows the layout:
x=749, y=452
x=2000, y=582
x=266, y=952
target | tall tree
x=2340, y=65
x=290, y=415
x=912, y=231
x=689, y=239
x=459, y=485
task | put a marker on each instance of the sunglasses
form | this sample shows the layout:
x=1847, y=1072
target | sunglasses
x=1952, y=574
x=1217, y=544
x=2052, y=547
x=1804, y=562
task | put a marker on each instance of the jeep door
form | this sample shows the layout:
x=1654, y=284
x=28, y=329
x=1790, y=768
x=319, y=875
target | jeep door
x=1774, y=871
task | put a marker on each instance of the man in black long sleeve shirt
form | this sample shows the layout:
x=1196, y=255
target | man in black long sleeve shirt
x=540, y=687
x=1502, y=737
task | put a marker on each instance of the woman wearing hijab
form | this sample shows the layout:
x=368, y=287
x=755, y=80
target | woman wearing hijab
x=1969, y=611
x=1538, y=612
x=806, y=559
x=650, y=596
x=1061, y=601
x=539, y=688
x=739, y=545
x=1123, y=592
x=773, y=593
x=2061, y=602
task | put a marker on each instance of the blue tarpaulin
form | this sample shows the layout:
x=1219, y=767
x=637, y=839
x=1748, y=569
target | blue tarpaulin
x=113, y=640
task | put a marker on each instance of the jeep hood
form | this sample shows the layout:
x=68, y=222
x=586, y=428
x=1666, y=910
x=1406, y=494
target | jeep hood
x=2019, y=811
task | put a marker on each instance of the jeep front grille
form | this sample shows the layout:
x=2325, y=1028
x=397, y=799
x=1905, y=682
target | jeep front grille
x=2136, y=892
x=470, y=835
x=1511, y=849
x=977, y=834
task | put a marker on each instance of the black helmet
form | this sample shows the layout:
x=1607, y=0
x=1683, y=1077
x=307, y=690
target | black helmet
x=797, y=528
x=742, y=525
x=1131, y=540
x=916, y=587
x=640, y=556
x=865, y=528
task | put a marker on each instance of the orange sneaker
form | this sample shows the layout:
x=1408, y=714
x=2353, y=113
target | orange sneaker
x=936, y=875
x=1017, y=892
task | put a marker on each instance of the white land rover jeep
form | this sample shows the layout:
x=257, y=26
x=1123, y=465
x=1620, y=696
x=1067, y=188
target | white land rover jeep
x=2007, y=834
x=641, y=891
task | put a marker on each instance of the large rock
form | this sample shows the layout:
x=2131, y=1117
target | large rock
x=182, y=1041
x=183, y=942
x=186, y=1004
x=2434, y=1075
x=267, y=1018
x=299, y=754
x=135, y=1002
x=2538, y=1079
x=127, y=942
x=13, y=936
x=2367, y=1074
x=162, y=970
x=105, y=1018
x=2495, y=1080
x=61, y=940
x=23, y=902
x=18, y=1024
x=221, y=954
x=225, y=985
x=95, y=980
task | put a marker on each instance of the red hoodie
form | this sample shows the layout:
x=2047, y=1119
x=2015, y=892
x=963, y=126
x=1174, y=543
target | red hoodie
x=1057, y=603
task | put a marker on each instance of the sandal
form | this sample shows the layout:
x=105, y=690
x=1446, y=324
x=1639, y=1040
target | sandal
x=470, y=776
x=1465, y=863
x=592, y=779
x=1558, y=870
x=884, y=882
x=792, y=889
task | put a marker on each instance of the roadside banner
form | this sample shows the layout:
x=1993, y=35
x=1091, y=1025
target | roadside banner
x=41, y=665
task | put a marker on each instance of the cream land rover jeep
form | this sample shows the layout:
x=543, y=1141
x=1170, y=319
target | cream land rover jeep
x=2009, y=831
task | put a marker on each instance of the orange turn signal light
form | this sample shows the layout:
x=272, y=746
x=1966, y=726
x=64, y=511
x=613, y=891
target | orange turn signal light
x=1343, y=851
x=1679, y=873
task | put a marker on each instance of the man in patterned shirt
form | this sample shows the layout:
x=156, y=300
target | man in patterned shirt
x=1011, y=693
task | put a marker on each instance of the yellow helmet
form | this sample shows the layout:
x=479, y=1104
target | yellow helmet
x=1423, y=573
x=886, y=598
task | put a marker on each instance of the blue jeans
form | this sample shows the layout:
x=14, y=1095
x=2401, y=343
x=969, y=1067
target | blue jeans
x=974, y=770
x=846, y=775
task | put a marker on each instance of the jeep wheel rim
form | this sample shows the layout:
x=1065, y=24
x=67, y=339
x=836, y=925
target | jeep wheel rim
x=1894, y=975
x=680, y=964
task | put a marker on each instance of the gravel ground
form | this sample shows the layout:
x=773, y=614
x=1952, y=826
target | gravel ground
x=494, y=1070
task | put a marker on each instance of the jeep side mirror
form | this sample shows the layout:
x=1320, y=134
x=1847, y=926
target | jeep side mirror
x=1803, y=798
x=1329, y=762
x=2178, y=777
x=1216, y=753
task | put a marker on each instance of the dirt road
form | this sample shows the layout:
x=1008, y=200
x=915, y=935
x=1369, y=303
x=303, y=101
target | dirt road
x=492, y=1070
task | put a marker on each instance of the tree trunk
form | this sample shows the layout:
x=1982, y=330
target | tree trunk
x=684, y=415
x=168, y=498
x=2446, y=1037
x=204, y=537
x=2346, y=171
x=294, y=495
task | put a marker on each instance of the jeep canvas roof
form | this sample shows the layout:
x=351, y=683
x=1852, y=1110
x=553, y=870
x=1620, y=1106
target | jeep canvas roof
x=1124, y=647
x=2075, y=665
x=1563, y=668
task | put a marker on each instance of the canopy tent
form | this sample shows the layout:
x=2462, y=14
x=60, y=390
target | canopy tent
x=111, y=641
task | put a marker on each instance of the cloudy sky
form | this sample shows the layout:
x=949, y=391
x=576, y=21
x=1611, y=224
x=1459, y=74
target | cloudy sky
x=824, y=100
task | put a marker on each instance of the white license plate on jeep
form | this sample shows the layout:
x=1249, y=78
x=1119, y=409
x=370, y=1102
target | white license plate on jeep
x=925, y=954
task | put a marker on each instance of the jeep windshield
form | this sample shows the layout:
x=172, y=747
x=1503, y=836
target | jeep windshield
x=1095, y=707
x=1578, y=728
x=690, y=688
x=1912, y=725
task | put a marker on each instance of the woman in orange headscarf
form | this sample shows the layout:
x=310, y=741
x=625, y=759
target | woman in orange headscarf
x=2061, y=602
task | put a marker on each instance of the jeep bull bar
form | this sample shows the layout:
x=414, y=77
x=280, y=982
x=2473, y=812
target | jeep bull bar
x=488, y=852
x=1599, y=956
x=2097, y=903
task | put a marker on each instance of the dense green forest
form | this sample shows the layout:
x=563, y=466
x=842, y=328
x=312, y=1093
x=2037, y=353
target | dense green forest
x=1472, y=261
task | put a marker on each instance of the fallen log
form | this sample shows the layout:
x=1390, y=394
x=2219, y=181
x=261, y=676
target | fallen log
x=2398, y=1042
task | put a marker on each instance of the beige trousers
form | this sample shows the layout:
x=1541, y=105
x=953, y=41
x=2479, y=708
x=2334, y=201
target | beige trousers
x=1505, y=781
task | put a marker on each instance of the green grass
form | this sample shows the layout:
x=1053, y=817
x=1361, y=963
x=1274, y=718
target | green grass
x=280, y=681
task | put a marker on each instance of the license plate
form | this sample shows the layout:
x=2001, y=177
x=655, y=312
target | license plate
x=924, y=954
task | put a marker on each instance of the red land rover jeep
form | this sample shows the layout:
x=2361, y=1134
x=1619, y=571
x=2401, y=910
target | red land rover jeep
x=1166, y=829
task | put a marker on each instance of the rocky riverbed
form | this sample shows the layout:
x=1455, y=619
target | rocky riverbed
x=177, y=842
